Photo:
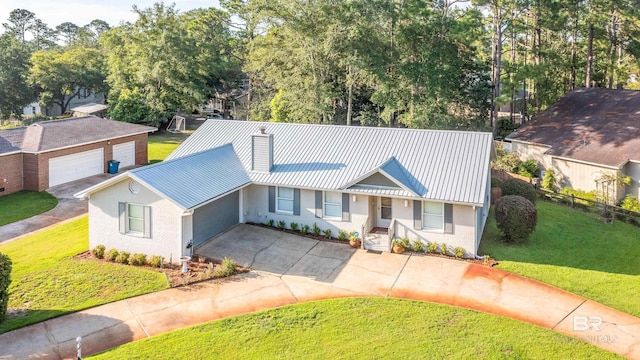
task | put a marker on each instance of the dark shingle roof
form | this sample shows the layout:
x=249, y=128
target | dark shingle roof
x=55, y=134
x=596, y=125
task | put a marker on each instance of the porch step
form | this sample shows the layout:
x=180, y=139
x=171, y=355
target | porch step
x=376, y=242
x=379, y=231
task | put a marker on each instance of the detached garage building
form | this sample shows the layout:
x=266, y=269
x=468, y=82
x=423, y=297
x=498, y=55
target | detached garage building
x=51, y=153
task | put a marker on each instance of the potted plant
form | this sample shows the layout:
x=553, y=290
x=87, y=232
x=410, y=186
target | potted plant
x=354, y=240
x=400, y=245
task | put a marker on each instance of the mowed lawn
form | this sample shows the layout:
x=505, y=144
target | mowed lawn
x=47, y=281
x=361, y=328
x=24, y=204
x=575, y=251
x=161, y=144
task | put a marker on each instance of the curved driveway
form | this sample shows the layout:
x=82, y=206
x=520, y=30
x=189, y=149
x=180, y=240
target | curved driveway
x=288, y=269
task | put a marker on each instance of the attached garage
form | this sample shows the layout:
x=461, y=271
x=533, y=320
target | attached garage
x=125, y=153
x=67, y=168
x=216, y=217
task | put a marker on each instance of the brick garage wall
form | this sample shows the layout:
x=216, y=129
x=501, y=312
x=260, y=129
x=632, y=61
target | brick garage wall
x=10, y=173
x=141, y=140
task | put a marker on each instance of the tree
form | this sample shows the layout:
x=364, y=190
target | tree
x=130, y=107
x=15, y=92
x=68, y=32
x=5, y=281
x=43, y=36
x=516, y=217
x=19, y=22
x=60, y=74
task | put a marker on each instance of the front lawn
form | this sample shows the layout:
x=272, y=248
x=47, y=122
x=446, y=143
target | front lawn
x=48, y=282
x=575, y=251
x=25, y=204
x=361, y=328
x=162, y=144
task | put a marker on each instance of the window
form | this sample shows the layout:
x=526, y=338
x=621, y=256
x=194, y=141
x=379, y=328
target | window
x=333, y=205
x=284, y=200
x=135, y=218
x=385, y=208
x=432, y=215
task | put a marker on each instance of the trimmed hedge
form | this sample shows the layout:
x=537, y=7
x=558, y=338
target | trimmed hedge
x=5, y=280
x=516, y=217
x=496, y=182
x=520, y=188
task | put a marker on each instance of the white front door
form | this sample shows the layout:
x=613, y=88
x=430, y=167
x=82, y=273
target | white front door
x=67, y=168
x=125, y=153
x=384, y=212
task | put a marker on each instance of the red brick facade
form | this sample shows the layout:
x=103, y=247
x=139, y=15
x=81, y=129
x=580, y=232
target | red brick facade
x=10, y=173
x=32, y=170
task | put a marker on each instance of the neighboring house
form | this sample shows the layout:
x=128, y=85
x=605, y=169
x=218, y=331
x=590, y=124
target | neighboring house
x=424, y=184
x=85, y=96
x=94, y=109
x=585, y=135
x=50, y=153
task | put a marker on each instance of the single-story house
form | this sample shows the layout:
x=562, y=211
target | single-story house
x=50, y=153
x=427, y=185
x=585, y=135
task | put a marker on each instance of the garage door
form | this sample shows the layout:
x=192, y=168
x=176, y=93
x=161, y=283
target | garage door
x=63, y=169
x=216, y=217
x=125, y=153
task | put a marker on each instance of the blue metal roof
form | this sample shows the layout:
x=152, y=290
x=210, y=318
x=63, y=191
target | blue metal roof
x=450, y=166
x=196, y=178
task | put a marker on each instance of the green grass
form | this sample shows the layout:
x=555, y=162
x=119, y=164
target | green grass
x=575, y=251
x=361, y=328
x=24, y=204
x=48, y=282
x=161, y=144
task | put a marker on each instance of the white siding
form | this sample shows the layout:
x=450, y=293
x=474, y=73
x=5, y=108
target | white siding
x=632, y=169
x=166, y=227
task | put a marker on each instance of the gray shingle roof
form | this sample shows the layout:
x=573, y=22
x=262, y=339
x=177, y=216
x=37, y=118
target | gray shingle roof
x=441, y=165
x=197, y=178
x=56, y=134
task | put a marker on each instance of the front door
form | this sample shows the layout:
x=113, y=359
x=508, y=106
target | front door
x=384, y=212
x=373, y=213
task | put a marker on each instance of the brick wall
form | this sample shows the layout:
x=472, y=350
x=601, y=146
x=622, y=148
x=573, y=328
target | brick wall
x=10, y=173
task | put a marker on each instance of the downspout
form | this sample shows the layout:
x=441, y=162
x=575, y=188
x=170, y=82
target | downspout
x=190, y=243
x=475, y=232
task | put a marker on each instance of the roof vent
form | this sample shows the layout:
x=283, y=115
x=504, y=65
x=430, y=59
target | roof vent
x=262, y=151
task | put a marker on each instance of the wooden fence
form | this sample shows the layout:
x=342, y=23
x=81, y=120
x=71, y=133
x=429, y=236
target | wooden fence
x=504, y=175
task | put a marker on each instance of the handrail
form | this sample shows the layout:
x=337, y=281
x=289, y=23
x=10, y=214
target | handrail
x=391, y=233
x=363, y=233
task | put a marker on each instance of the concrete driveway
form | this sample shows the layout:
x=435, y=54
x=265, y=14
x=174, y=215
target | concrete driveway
x=68, y=207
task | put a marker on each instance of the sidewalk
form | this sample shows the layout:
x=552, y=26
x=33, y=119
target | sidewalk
x=314, y=277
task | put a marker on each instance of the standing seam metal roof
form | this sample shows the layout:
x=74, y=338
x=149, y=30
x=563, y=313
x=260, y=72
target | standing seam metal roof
x=448, y=165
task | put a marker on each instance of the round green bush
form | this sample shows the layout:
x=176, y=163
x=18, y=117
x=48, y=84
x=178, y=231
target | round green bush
x=5, y=280
x=516, y=217
x=496, y=182
x=520, y=188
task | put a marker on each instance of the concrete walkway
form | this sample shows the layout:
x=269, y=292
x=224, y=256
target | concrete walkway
x=290, y=269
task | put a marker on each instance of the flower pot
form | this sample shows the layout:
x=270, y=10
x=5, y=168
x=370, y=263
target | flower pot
x=355, y=243
x=398, y=249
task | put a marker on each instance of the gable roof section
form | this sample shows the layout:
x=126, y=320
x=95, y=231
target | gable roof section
x=448, y=166
x=595, y=125
x=396, y=174
x=10, y=140
x=58, y=134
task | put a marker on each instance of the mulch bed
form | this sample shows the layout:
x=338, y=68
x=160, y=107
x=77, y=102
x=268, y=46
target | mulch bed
x=200, y=269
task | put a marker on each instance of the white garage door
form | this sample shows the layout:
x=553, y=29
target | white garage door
x=125, y=153
x=77, y=166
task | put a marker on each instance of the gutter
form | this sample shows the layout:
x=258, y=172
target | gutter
x=87, y=143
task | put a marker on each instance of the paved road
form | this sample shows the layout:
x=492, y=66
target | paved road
x=289, y=269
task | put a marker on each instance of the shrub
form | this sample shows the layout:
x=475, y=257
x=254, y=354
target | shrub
x=444, y=249
x=156, y=261
x=405, y=243
x=495, y=182
x=327, y=233
x=458, y=252
x=587, y=195
x=137, y=259
x=529, y=169
x=418, y=246
x=432, y=247
x=281, y=225
x=112, y=254
x=270, y=223
x=343, y=235
x=630, y=202
x=5, y=280
x=506, y=161
x=228, y=267
x=98, y=251
x=506, y=127
x=293, y=226
x=304, y=229
x=316, y=230
x=123, y=257
x=549, y=180
x=516, y=217
x=520, y=188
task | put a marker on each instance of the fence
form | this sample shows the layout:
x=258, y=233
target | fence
x=504, y=175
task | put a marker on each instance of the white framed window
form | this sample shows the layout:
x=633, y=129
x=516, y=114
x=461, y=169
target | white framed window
x=385, y=208
x=332, y=205
x=433, y=216
x=135, y=219
x=284, y=200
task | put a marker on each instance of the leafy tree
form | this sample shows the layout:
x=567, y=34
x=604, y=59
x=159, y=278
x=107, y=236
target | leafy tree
x=15, y=92
x=5, y=281
x=67, y=32
x=130, y=107
x=20, y=21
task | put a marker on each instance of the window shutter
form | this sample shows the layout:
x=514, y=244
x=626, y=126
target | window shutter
x=345, y=207
x=318, y=204
x=448, y=218
x=147, y=221
x=272, y=199
x=417, y=214
x=296, y=201
x=122, y=217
